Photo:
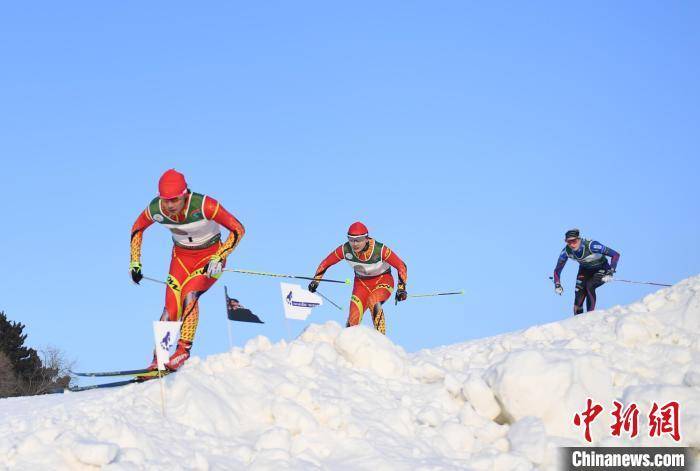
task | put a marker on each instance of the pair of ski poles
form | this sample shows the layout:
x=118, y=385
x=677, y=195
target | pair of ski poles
x=299, y=277
x=635, y=282
x=346, y=281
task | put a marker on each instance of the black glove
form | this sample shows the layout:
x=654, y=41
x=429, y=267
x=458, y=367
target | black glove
x=135, y=271
x=313, y=286
x=401, y=293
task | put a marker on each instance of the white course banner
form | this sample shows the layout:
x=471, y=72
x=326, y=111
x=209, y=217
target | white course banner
x=165, y=335
x=298, y=302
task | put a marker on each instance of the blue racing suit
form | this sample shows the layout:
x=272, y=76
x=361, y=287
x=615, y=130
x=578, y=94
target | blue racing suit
x=593, y=265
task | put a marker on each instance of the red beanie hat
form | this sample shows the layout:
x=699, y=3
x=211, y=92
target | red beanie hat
x=172, y=184
x=357, y=229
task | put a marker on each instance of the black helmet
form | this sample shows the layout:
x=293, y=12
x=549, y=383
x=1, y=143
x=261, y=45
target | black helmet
x=572, y=234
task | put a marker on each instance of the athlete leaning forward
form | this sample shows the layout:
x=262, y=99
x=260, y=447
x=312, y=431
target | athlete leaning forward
x=198, y=255
x=372, y=261
x=594, y=269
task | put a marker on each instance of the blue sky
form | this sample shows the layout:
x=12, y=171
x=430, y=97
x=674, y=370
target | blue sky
x=468, y=136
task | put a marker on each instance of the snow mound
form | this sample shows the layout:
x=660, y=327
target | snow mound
x=351, y=399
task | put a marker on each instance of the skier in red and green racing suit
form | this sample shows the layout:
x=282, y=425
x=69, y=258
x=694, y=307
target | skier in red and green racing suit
x=198, y=257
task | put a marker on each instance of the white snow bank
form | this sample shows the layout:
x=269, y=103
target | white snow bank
x=351, y=399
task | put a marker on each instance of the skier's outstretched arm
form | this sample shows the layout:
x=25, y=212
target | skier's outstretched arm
x=395, y=261
x=390, y=257
x=597, y=247
x=217, y=213
x=332, y=258
x=561, y=261
x=141, y=224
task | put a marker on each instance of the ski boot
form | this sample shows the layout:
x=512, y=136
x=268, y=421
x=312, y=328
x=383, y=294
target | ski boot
x=180, y=356
x=154, y=364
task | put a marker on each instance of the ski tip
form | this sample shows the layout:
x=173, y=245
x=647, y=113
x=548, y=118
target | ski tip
x=94, y=374
x=81, y=373
x=152, y=375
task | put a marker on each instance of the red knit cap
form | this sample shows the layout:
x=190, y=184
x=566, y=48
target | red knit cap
x=171, y=185
x=357, y=229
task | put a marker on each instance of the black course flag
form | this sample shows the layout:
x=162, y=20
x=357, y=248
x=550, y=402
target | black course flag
x=236, y=312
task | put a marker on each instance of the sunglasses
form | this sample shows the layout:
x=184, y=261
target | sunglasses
x=357, y=238
x=571, y=241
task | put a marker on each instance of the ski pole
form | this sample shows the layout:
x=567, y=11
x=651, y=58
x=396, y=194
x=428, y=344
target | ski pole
x=248, y=272
x=154, y=280
x=635, y=282
x=279, y=275
x=642, y=282
x=427, y=295
x=321, y=294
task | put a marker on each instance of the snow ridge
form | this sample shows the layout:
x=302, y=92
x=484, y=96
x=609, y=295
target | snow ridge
x=347, y=399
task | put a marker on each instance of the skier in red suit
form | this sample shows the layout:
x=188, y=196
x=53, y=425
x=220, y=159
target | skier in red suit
x=372, y=261
x=198, y=257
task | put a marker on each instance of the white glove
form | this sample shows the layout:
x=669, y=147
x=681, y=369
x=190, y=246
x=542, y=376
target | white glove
x=558, y=289
x=214, y=267
x=608, y=276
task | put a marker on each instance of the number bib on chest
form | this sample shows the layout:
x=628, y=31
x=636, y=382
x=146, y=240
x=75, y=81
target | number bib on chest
x=194, y=231
x=373, y=266
x=587, y=258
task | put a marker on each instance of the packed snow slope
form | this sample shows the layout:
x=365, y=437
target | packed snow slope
x=348, y=399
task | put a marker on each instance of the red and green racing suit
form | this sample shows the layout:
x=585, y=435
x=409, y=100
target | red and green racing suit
x=373, y=281
x=196, y=236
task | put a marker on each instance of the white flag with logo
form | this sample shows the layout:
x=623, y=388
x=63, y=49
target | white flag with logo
x=165, y=334
x=298, y=302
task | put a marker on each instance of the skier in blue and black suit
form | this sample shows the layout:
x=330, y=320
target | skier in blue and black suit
x=594, y=269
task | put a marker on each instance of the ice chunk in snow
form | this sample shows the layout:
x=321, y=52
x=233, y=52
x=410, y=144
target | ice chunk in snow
x=293, y=417
x=459, y=437
x=426, y=372
x=632, y=330
x=549, y=385
x=367, y=348
x=528, y=437
x=94, y=453
x=300, y=354
x=259, y=343
x=321, y=332
x=453, y=385
x=480, y=396
x=274, y=438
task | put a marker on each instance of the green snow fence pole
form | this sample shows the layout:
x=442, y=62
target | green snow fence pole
x=428, y=295
x=635, y=282
x=279, y=275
